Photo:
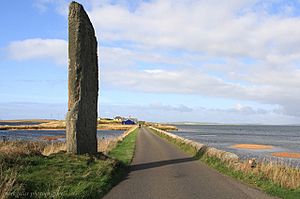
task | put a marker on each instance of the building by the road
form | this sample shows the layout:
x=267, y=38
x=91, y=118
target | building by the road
x=119, y=118
x=130, y=121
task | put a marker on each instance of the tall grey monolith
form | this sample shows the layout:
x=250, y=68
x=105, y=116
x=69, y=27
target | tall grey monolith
x=81, y=121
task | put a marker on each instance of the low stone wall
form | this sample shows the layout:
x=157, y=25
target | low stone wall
x=201, y=148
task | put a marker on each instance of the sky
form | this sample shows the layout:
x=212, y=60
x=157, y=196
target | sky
x=234, y=62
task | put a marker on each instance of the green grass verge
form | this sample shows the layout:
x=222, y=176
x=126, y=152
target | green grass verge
x=125, y=149
x=254, y=180
x=68, y=176
x=186, y=148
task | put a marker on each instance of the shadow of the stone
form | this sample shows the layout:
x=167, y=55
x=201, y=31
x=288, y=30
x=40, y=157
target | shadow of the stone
x=150, y=165
x=201, y=152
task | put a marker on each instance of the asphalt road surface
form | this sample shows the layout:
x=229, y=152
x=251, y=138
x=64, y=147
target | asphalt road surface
x=161, y=171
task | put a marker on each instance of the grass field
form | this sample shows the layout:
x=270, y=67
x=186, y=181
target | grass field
x=26, y=173
x=64, y=176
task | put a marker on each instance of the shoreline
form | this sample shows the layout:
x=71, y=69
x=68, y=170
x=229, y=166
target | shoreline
x=36, y=124
x=12, y=128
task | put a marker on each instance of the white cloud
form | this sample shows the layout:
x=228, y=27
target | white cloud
x=54, y=49
x=162, y=107
x=154, y=71
x=230, y=31
x=193, y=81
x=231, y=28
x=242, y=50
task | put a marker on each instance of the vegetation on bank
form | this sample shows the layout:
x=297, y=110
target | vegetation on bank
x=26, y=173
x=276, y=179
x=103, y=124
x=125, y=149
x=164, y=127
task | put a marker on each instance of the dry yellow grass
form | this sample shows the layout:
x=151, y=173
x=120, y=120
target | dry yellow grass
x=14, y=149
x=106, y=145
x=251, y=146
x=108, y=121
x=120, y=127
x=58, y=124
x=61, y=124
x=279, y=173
x=7, y=182
x=19, y=148
x=9, y=151
x=54, y=147
x=164, y=127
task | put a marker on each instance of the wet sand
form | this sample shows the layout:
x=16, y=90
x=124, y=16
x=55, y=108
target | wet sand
x=251, y=146
x=286, y=154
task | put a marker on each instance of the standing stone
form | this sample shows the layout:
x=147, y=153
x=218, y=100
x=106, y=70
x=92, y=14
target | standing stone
x=81, y=121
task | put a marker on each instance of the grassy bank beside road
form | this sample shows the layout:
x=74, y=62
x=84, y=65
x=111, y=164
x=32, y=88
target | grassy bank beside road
x=125, y=149
x=278, y=180
x=26, y=173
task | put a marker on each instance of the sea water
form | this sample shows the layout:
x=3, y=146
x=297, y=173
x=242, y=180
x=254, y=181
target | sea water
x=282, y=138
x=35, y=135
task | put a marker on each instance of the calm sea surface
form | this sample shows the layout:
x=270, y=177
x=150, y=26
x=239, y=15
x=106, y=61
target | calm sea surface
x=36, y=134
x=282, y=138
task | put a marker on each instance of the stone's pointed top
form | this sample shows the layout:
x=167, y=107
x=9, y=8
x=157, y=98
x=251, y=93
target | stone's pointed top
x=77, y=15
x=74, y=5
x=76, y=10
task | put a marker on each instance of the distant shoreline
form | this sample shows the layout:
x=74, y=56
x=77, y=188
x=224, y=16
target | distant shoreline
x=37, y=124
x=29, y=127
x=220, y=124
x=42, y=124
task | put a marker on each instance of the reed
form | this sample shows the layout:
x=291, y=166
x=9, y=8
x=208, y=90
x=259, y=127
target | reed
x=7, y=182
x=54, y=147
x=280, y=173
x=21, y=148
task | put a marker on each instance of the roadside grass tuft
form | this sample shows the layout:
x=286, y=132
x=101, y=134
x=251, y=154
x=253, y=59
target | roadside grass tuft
x=60, y=176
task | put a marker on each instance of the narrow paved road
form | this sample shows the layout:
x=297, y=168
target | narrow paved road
x=160, y=171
